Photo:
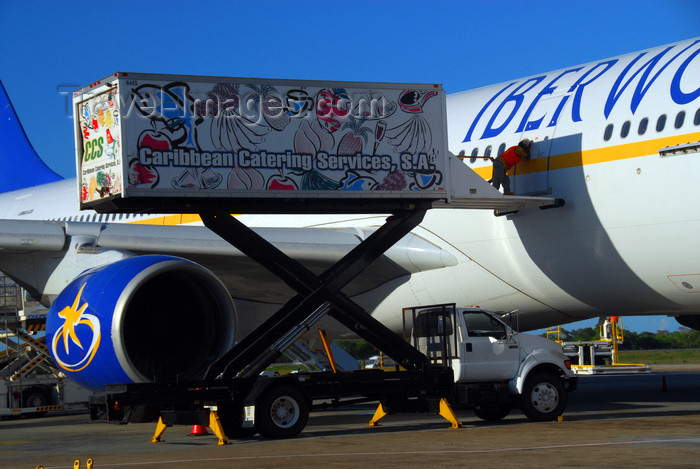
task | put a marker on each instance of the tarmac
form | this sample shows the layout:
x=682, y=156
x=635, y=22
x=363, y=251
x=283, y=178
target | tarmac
x=611, y=421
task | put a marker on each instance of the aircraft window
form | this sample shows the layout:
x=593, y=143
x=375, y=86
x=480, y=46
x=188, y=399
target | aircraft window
x=643, y=126
x=680, y=117
x=121, y=215
x=608, y=132
x=661, y=123
x=488, y=151
x=696, y=121
x=501, y=148
x=475, y=153
x=625, y=129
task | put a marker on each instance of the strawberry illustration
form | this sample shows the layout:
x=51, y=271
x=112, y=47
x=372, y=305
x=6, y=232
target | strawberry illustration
x=352, y=142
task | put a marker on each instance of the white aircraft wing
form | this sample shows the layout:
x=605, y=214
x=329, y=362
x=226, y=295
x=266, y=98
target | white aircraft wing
x=316, y=248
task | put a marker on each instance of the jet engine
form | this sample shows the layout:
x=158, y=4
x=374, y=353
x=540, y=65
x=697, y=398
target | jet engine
x=143, y=319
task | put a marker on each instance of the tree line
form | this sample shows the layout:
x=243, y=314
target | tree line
x=683, y=338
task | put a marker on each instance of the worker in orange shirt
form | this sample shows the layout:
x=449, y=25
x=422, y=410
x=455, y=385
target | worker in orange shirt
x=507, y=160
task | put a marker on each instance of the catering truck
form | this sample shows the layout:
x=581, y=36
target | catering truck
x=474, y=360
x=216, y=146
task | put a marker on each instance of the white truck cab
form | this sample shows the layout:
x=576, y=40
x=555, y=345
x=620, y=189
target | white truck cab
x=494, y=366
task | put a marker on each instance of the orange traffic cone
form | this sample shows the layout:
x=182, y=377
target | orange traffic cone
x=198, y=430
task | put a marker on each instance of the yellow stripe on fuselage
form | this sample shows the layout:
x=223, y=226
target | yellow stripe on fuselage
x=595, y=156
x=177, y=219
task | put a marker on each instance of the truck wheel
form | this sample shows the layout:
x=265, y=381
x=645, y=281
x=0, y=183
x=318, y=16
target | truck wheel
x=543, y=397
x=35, y=397
x=492, y=414
x=282, y=412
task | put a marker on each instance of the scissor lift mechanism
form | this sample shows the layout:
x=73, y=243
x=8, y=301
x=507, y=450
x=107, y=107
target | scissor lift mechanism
x=232, y=381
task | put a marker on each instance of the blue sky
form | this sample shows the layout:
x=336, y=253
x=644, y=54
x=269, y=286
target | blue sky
x=48, y=48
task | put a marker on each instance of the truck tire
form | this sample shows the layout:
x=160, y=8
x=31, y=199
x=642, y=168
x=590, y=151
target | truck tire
x=493, y=414
x=543, y=397
x=35, y=397
x=282, y=412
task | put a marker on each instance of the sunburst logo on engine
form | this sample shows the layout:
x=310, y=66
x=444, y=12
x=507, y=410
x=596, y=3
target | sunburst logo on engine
x=78, y=328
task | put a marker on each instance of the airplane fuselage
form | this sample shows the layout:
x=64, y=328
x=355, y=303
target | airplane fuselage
x=626, y=241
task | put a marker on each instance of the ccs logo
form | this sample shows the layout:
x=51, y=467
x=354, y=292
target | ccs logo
x=78, y=329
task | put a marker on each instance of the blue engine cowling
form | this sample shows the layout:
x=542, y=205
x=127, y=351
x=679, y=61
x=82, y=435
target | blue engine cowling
x=142, y=319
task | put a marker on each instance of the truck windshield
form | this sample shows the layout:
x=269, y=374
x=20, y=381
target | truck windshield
x=480, y=324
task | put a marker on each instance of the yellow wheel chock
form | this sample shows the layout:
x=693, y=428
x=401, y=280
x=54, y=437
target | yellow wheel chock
x=214, y=426
x=444, y=410
x=379, y=414
x=160, y=429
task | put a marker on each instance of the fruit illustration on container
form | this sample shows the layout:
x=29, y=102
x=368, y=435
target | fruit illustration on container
x=230, y=130
x=353, y=141
x=331, y=106
x=310, y=139
x=245, y=179
x=104, y=183
x=92, y=187
x=109, y=118
x=394, y=181
x=141, y=174
x=271, y=106
x=155, y=140
x=280, y=182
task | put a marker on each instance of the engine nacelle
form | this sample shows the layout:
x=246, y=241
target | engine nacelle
x=142, y=319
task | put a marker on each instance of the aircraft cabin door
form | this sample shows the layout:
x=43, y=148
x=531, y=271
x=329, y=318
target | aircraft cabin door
x=532, y=177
